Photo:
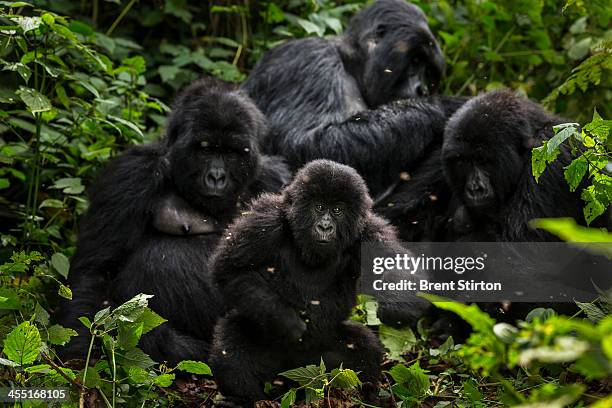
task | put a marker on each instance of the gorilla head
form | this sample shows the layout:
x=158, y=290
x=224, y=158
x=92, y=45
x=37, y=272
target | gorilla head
x=487, y=147
x=327, y=204
x=212, y=155
x=396, y=55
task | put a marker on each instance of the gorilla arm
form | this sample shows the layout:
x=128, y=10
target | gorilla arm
x=239, y=268
x=122, y=200
x=395, y=308
x=315, y=110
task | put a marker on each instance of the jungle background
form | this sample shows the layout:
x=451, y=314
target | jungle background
x=81, y=80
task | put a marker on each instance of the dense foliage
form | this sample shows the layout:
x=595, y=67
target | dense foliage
x=75, y=90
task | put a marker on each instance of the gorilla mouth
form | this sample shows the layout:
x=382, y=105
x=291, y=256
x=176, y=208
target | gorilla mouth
x=478, y=200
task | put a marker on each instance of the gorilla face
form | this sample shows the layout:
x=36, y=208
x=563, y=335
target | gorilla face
x=326, y=217
x=327, y=204
x=400, y=57
x=211, y=170
x=212, y=156
x=486, y=149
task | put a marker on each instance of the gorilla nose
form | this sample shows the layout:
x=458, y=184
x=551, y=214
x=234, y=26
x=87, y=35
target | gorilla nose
x=475, y=190
x=421, y=90
x=325, y=228
x=216, y=179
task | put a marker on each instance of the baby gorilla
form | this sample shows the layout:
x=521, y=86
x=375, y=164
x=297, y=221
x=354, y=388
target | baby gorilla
x=290, y=268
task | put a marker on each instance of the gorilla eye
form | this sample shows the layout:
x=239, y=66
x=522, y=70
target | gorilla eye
x=318, y=207
x=205, y=146
x=337, y=210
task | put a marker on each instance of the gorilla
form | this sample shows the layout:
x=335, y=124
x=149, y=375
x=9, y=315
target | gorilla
x=360, y=99
x=487, y=162
x=156, y=214
x=290, y=271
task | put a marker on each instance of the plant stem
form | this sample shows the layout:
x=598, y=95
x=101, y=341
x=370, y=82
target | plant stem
x=114, y=365
x=120, y=17
x=91, y=343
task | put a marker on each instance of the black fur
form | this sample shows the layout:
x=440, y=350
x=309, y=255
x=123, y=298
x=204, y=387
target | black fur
x=339, y=98
x=291, y=296
x=495, y=133
x=352, y=99
x=154, y=219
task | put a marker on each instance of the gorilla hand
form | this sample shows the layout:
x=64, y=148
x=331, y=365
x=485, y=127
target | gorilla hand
x=291, y=326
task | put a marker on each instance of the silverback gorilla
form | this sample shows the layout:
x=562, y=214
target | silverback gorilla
x=487, y=162
x=290, y=271
x=157, y=212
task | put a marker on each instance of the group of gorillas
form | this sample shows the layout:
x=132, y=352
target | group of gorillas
x=246, y=219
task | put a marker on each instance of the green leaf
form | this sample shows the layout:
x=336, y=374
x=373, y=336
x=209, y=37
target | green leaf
x=413, y=378
x=396, y=341
x=9, y=299
x=606, y=345
x=131, y=310
x=127, y=123
x=34, y=100
x=137, y=64
x=150, y=320
x=42, y=316
x=90, y=88
x=444, y=348
x=288, y=399
x=60, y=263
x=8, y=363
x=86, y=322
x=302, y=375
x=137, y=358
x=101, y=315
x=594, y=313
x=568, y=230
x=538, y=161
x=4, y=183
x=309, y=27
x=39, y=368
x=138, y=375
x=168, y=72
x=164, y=380
x=470, y=390
x=27, y=23
x=541, y=314
x=194, y=367
x=59, y=335
x=580, y=49
x=562, y=133
x=565, y=349
x=129, y=334
x=80, y=28
x=17, y=4
x=18, y=67
x=344, y=378
x=60, y=91
x=22, y=344
x=479, y=320
x=593, y=366
x=51, y=203
x=65, y=292
x=69, y=185
x=574, y=173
